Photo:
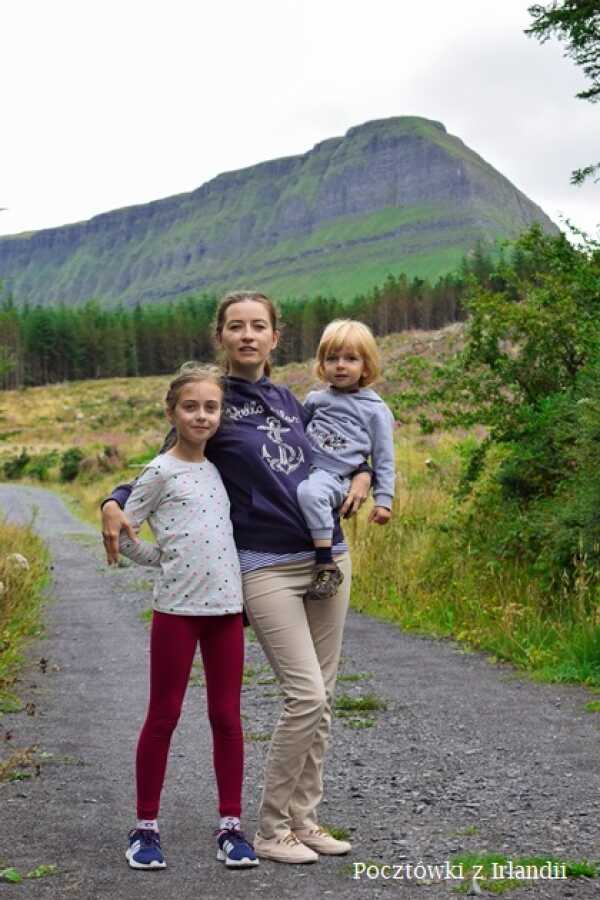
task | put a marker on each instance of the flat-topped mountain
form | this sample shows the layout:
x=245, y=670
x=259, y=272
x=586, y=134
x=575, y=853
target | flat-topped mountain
x=393, y=195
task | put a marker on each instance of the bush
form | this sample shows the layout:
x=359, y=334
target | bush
x=70, y=462
x=15, y=468
x=530, y=372
x=39, y=466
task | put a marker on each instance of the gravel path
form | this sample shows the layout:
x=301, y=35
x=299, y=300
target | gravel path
x=468, y=756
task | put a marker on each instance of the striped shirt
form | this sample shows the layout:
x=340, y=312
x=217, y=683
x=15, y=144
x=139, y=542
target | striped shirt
x=250, y=560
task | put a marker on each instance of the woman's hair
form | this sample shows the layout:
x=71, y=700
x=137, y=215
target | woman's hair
x=240, y=297
x=191, y=372
x=356, y=336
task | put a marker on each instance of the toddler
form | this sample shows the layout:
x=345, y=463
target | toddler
x=349, y=422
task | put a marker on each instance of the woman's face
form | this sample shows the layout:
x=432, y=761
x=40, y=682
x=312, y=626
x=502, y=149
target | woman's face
x=247, y=337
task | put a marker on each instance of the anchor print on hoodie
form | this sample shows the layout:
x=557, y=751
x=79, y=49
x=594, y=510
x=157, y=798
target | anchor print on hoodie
x=262, y=454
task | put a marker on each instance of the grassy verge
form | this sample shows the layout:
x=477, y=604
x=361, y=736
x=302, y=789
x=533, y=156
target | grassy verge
x=417, y=574
x=23, y=572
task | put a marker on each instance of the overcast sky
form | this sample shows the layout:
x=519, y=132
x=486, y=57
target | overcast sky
x=106, y=104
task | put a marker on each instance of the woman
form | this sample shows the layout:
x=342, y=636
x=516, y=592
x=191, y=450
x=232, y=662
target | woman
x=262, y=455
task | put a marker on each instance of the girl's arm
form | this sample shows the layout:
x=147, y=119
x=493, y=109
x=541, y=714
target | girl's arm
x=141, y=552
x=114, y=520
x=143, y=501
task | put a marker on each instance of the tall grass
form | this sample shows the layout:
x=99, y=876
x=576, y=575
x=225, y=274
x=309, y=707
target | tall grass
x=421, y=574
x=23, y=571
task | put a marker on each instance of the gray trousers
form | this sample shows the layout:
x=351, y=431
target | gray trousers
x=318, y=496
x=302, y=640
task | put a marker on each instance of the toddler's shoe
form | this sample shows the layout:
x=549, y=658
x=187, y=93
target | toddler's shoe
x=144, y=849
x=326, y=579
x=234, y=850
x=286, y=849
x=321, y=841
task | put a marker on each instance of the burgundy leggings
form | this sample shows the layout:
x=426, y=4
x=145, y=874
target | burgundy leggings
x=172, y=646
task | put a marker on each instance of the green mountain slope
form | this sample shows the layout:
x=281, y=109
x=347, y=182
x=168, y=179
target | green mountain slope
x=392, y=195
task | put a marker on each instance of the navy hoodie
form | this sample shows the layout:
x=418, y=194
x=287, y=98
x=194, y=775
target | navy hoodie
x=262, y=454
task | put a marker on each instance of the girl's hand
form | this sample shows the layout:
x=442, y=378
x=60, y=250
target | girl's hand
x=380, y=515
x=114, y=521
x=358, y=493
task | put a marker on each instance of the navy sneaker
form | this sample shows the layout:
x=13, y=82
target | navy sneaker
x=234, y=849
x=144, y=849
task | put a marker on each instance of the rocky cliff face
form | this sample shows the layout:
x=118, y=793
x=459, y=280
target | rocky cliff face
x=392, y=195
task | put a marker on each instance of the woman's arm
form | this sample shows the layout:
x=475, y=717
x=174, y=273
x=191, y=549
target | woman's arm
x=114, y=521
x=358, y=493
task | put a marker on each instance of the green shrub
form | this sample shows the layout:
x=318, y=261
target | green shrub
x=70, y=462
x=530, y=373
x=39, y=466
x=15, y=468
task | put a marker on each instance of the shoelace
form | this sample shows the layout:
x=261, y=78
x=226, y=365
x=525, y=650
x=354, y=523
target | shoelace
x=234, y=834
x=290, y=839
x=148, y=837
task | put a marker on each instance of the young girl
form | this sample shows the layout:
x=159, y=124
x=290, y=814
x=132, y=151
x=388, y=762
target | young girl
x=348, y=423
x=197, y=599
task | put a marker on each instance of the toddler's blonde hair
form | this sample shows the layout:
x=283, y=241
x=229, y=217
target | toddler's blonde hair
x=355, y=336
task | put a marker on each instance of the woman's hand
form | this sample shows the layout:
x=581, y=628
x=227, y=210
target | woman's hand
x=358, y=493
x=114, y=521
x=380, y=515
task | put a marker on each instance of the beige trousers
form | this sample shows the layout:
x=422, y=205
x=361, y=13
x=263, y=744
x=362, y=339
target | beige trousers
x=302, y=640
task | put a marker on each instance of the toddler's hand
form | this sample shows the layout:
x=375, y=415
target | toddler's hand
x=380, y=515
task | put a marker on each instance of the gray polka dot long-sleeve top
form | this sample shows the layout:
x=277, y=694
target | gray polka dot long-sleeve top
x=187, y=508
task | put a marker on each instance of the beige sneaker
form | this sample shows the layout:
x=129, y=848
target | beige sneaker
x=287, y=849
x=320, y=840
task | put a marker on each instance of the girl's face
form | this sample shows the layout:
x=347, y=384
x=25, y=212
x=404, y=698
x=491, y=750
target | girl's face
x=247, y=337
x=197, y=413
x=343, y=368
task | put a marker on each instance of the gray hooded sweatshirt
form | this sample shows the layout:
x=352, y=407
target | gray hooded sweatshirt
x=346, y=428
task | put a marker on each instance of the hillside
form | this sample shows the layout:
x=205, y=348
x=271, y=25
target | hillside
x=127, y=414
x=392, y=195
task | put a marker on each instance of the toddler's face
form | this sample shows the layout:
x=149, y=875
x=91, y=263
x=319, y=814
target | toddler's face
x=343, y=368
x=197, y=413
